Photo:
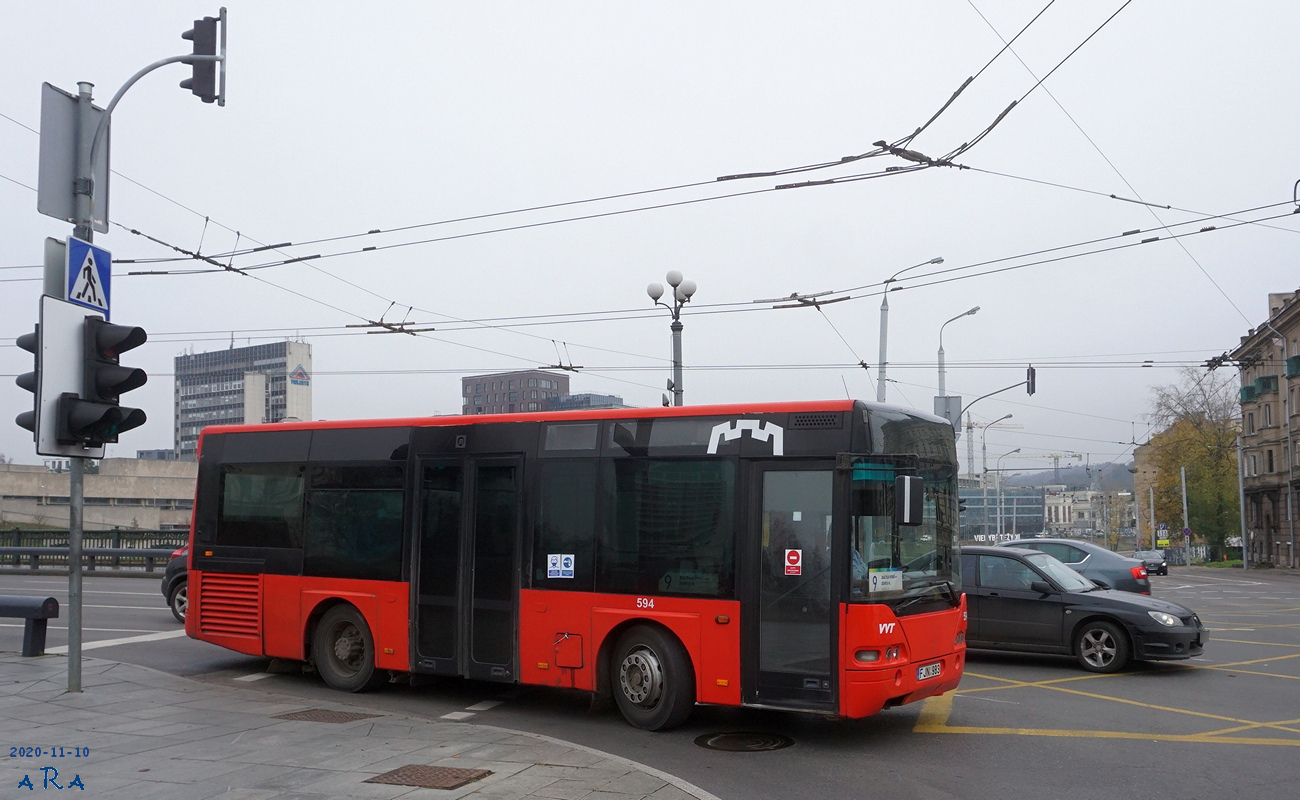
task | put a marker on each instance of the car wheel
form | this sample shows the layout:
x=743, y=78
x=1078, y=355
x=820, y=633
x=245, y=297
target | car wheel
x=179, y=600
x=654, y=684
x=344, y=651
x=1101, y=646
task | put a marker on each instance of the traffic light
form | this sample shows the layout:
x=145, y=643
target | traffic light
x=1029, y=380
x=31, y=342
x=203, y=80
x=95, y=417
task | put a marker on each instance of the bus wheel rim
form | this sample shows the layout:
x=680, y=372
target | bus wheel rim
x=347, y=647
x=641, y=677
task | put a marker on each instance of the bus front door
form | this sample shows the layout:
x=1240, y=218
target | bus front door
x=465, y=570
x=790, y=640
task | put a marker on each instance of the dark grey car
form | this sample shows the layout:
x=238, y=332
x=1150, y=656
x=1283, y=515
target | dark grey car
x=1154, y=561
x=1029, y=602
x=1094, y=562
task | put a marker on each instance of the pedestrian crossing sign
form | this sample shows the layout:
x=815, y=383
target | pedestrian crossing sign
x=89, y=275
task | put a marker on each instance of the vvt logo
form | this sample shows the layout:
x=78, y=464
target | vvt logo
x=764, y=431
x=887, y=627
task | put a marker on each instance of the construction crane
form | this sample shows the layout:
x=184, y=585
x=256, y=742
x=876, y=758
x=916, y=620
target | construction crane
x=970, y=440
x=1056, y=464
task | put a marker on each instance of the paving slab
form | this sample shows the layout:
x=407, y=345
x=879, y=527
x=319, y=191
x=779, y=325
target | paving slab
x=151, y=734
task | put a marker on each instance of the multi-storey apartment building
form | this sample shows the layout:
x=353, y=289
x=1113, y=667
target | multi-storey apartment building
x=508, y=392
x=1269, y=359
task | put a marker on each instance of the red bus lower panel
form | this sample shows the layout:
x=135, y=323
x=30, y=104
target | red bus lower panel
x=562, y=636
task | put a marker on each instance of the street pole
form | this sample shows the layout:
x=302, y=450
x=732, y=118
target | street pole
x=1187, y=529
x=1151, y=495
x=83, y=188
x=677, y=361
x=1241, y=503
x=884, y=338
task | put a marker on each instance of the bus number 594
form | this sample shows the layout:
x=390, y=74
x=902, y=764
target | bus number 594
x=645, y=602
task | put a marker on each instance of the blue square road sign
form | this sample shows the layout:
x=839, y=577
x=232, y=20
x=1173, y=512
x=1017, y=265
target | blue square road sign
x=88, y=276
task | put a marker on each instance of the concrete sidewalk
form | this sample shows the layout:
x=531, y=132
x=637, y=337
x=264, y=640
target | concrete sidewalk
x=150, y=734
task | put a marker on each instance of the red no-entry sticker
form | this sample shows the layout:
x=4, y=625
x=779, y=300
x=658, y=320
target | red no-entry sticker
x=793, y=562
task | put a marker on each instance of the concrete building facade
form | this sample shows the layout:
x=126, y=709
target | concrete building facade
x=241, y=385
x=1269, y=362
x=510, y=392
x=126, y=493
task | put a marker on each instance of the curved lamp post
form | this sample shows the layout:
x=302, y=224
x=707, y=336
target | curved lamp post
x=999, y=471
x=984, y=474
x=942, y=371
x=884, y=325
x=682, y=292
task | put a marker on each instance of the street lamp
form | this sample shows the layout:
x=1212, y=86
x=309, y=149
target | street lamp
x=682, y=292
x=942, y=371
x=999, y=471
x=884, y=325
x=984, y=474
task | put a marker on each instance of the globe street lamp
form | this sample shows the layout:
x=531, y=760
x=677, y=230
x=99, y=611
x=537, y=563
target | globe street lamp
x=999, y=471
x=682, y=291
x=884, y=325
x=942, y=371
x=984, y=458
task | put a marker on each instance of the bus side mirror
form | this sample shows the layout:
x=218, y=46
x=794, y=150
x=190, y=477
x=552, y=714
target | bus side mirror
x=909, y=499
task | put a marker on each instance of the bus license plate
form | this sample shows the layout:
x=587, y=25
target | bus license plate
x=929, y=671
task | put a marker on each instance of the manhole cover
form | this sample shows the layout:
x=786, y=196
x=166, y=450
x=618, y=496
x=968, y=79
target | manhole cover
x=430, y=777
x=323, y=715
x=743, y=741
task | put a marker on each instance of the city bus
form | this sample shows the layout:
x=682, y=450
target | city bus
x=798, y=556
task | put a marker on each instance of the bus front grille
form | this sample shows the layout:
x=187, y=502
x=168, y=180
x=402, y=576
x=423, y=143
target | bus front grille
x=229, y=605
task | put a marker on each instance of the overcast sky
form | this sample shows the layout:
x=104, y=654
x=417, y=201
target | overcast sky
x=344, y=118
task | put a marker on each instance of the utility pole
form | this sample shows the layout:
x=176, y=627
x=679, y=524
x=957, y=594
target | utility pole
x=1187, y=529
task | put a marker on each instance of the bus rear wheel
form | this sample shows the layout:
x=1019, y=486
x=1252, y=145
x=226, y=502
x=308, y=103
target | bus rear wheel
x=344, y=651
x=654, y=684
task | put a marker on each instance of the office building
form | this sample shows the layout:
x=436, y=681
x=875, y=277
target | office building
x=241, y=385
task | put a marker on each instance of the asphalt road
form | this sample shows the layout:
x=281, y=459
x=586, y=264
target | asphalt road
x=1225, y=723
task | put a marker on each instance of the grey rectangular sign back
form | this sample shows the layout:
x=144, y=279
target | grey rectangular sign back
x=55, y=195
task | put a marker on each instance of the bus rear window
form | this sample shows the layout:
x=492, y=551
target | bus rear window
x=261, y=505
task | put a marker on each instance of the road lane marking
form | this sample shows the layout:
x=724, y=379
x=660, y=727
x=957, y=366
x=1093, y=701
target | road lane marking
x=256, y=676
x=484, y=706
x=99, y=630
x=152, y=637
x=458, y=715
x=83, y=591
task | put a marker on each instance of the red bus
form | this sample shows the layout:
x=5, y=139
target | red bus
x=781, y=555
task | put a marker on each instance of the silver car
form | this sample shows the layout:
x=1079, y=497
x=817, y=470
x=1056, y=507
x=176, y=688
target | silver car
x=1101, y=566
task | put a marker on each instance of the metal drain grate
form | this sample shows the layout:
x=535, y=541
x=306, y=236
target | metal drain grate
x=324, y=715
x=743, y=741
x=427, y=777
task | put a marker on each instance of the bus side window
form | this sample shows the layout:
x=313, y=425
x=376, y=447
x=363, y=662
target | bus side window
x=669, y=527
x=354, y=523
x=261, y=505
x=565, y=525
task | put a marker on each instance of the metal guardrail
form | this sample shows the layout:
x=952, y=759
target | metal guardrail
x=112, y=537
x=58, y=556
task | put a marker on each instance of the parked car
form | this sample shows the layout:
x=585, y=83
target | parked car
x=1094, y=562
x=1154, y=561
x=175, y=582
x=1027, y=601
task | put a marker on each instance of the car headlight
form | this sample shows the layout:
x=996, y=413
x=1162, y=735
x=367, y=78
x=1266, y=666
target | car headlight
x=1168, y=620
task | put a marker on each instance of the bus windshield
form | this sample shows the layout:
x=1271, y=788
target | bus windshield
x=903, y=566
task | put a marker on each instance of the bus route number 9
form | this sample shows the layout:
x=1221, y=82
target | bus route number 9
x=645, y=602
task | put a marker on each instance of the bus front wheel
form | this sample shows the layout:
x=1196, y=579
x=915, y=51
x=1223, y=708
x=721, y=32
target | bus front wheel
x=654, y=684
x=344, y=651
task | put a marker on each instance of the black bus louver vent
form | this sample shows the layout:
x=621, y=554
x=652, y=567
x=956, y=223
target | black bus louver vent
x=816, y=419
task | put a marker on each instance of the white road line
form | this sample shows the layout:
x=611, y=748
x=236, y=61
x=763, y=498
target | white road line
x=256, y=676
x=130, y=608
x=100, y=630
x=64, y=590
x=484, y=706
x=458, y=715
x=152, y=637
